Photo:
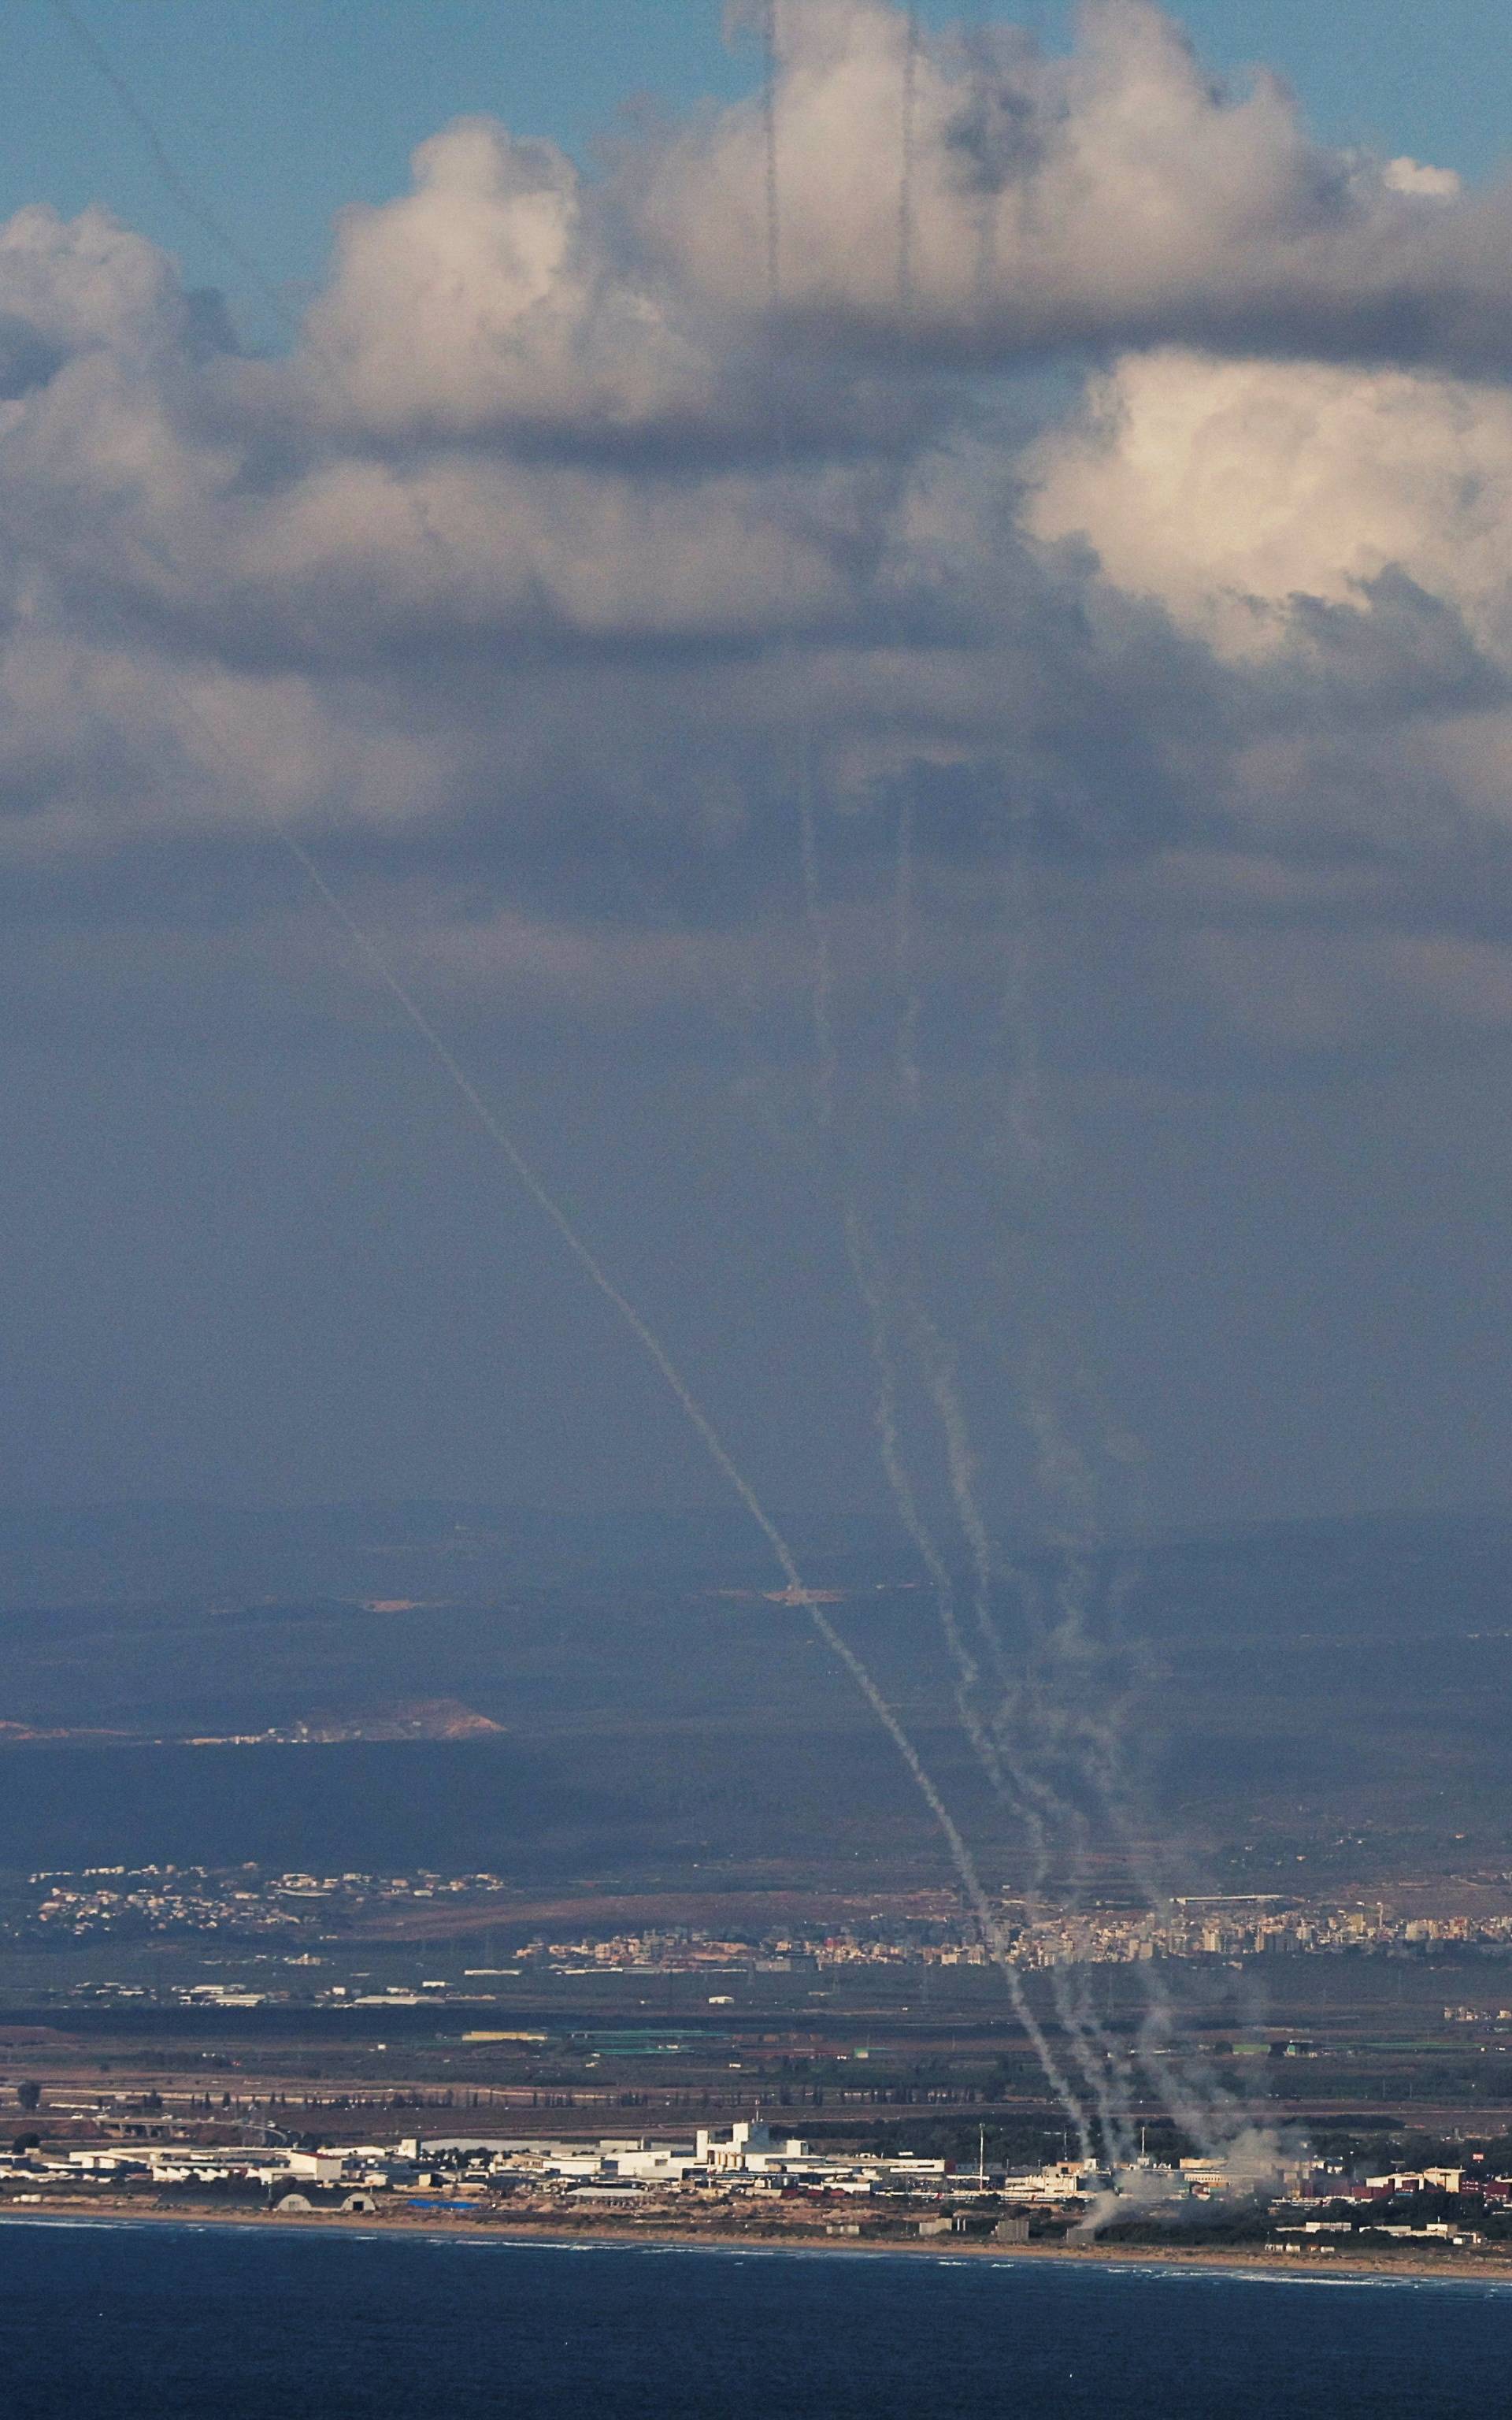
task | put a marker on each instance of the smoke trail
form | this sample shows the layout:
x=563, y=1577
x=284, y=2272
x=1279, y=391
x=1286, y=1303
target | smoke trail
x=906, y=229
x=1006, y=1782
x=771, y=69
x=1182, y=2080
x=866, y=1275
x=1029, y=1732
x=826, y=1061
x=861, y=1257
x=1045, y=1809
x=864, y=1262
x=1093, y=1730
x=1018, y=1787
x=979, y=49
x=1011, y=1783
x=1020, y=1779
x=905, y=970
x=187, y=199
x=1065, y=1478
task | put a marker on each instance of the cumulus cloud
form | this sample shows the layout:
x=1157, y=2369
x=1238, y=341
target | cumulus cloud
x=1230, y=489
x=489, y=299
x=1122, y=195
x=552, y=555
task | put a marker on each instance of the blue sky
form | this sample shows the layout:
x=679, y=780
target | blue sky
x=281, y=110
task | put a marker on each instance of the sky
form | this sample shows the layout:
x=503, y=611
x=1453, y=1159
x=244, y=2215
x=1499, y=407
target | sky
x=924, y=704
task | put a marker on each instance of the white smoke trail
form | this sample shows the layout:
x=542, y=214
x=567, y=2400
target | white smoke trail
x=1011, y=1785
x=1018, y=1787
x=1032, y=1733
x=1047, y=1815
x=905, y=967
x=979, y=49
x=866, y=1274
x=1185, y=2083
x=826, y=1059
x=906, y=227
x=862, y=1253
x=771, y=69
x=1062, y=1698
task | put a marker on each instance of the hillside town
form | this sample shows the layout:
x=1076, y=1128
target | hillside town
x=109, y=1903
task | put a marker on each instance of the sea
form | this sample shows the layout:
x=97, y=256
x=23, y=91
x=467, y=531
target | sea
x=101, y=2321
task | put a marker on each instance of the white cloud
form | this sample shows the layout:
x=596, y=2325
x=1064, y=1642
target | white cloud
x=487, y=300
x=1231, y=488
x=1415, y=177
x=1119, y=193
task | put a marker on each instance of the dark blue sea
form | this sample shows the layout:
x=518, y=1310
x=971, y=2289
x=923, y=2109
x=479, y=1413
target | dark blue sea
x=98, y=2323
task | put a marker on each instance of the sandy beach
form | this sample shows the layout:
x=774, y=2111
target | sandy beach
x=1462, y=2267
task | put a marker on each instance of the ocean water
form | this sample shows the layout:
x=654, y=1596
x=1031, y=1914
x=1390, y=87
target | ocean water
x=188, y=2322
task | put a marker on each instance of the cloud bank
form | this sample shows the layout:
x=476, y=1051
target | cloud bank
x=1112, y=481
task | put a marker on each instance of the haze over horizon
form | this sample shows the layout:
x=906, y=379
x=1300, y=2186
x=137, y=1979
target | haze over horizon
x=972, y=674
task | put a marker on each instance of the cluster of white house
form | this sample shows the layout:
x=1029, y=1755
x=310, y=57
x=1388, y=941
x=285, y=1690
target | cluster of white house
x=749, y=2156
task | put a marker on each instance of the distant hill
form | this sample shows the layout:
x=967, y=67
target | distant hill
x=1302, y=1678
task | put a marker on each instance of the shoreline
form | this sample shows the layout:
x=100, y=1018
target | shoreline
x=1260, y=2261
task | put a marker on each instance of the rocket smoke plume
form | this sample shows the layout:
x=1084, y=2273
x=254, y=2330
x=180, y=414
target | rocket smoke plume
x=861, y=1255
x=1016, y=1781
x=1044, y=1722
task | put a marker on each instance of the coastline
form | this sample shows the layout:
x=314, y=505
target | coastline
x=1261, y=2261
